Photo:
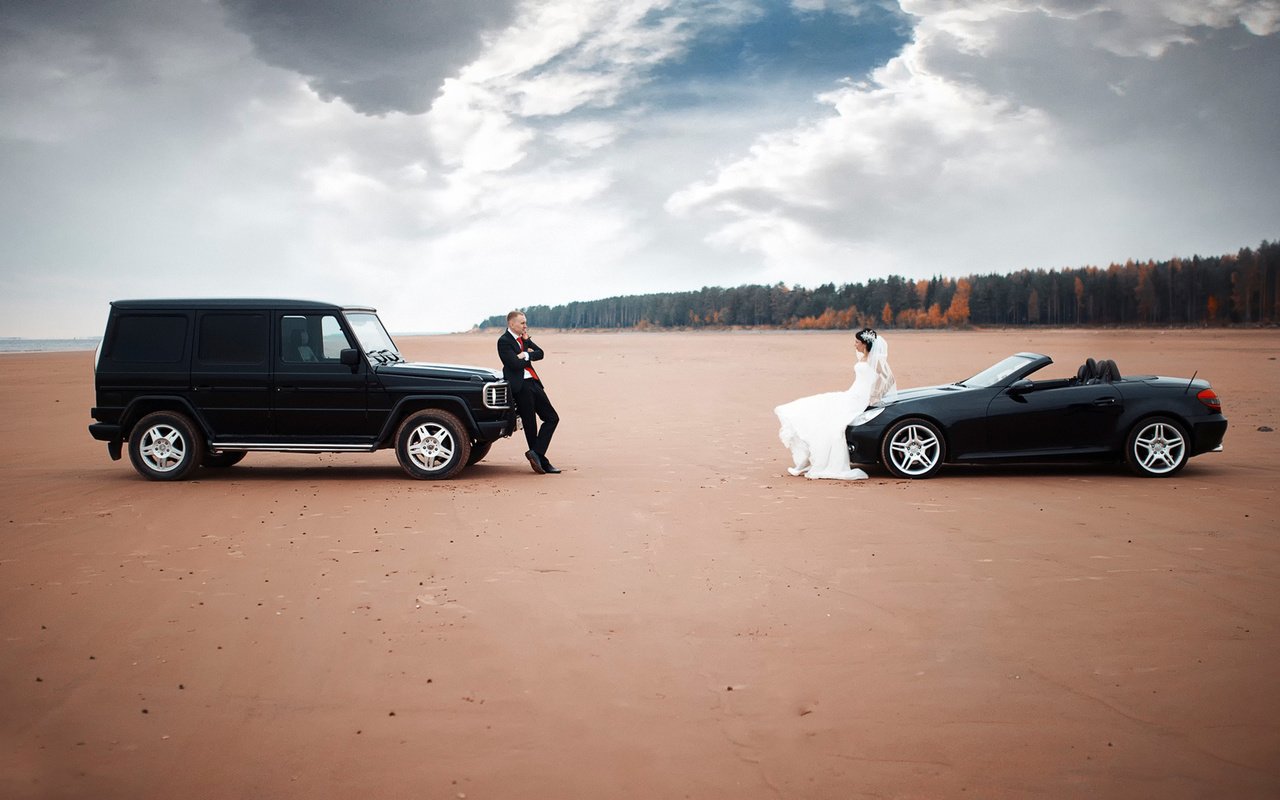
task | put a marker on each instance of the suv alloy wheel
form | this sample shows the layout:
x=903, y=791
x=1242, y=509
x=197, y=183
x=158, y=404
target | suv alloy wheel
x=164, y=446
x=432, y=445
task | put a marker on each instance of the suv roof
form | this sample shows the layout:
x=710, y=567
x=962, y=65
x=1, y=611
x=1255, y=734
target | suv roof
x=231, y=302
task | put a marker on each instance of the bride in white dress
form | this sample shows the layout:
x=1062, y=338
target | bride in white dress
x=813, y=427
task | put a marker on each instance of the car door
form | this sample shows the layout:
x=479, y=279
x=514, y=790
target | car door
x=317, y=398
x=1054, y=418
x=230, y=374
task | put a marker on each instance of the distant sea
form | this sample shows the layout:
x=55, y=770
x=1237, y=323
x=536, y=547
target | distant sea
x=13, y=344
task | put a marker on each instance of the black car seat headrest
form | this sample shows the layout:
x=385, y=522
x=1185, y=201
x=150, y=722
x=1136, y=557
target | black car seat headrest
x=1108, y=371
x=1088, y=371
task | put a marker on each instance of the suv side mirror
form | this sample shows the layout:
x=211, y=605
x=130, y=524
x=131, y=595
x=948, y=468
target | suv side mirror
x=350, y=357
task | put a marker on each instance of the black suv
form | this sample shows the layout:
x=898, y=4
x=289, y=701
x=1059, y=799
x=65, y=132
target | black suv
x=191, y=383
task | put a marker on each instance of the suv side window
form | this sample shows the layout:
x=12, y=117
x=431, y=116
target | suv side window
x=148, y=339
x=239, y=339
x=312, y=338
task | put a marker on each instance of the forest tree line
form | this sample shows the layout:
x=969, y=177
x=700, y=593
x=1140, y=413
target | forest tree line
x=1241, y=288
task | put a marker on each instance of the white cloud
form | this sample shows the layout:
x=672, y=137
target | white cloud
x=168, y=150
x=891, y=150
x=1144, y=28
x=986, y=145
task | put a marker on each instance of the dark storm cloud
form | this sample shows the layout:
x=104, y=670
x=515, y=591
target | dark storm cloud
x=378, y=56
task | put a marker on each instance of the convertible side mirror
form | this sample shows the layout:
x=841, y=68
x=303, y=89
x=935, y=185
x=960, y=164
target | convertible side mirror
x=1018, y=387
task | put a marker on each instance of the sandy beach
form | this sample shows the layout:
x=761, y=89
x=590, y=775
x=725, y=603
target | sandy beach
x=671, y=617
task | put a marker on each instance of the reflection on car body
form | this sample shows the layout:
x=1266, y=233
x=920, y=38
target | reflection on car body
x=195, y=383
x=1155, y=424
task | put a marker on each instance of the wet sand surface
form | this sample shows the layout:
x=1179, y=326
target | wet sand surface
x=671, y=617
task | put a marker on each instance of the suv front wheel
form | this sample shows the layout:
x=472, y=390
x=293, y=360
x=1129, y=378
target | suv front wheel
x=164, y=446
x=432, y=445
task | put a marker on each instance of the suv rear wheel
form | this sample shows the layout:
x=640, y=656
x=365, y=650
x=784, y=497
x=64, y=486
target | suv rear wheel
x=432, y=445
x=164, y=446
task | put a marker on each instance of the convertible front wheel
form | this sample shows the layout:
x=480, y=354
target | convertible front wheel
x=913, y=448
x=1157, y=448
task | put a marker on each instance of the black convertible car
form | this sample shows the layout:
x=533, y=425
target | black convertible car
x=1000, y=415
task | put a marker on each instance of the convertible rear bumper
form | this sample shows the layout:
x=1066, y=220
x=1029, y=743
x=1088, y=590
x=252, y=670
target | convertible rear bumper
x=1207, y=436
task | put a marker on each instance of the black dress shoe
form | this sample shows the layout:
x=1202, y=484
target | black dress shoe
x=550, y=468
x=535, y=462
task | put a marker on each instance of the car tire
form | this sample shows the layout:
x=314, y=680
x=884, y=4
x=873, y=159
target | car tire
x=228, y=458
x=913, y=448
x=164, y=446
x=432, y=445
x=478, y=451
x=1157, y=447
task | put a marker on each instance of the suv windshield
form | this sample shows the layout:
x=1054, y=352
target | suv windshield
x=373, y=337
x=996, y=373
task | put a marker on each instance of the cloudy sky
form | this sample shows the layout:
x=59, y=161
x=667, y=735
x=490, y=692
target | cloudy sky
x=446, y=160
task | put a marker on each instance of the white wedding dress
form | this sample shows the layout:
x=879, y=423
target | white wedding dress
x=813, y=427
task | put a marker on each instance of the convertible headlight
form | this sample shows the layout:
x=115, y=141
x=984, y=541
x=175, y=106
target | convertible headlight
x=867, y=416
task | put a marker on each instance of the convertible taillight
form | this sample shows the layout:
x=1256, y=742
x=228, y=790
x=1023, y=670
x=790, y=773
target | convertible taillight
x=1210, y=398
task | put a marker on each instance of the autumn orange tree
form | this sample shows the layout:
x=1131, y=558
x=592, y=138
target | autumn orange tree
x=1234, y=288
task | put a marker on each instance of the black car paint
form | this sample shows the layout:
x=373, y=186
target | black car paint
x=1018, y=420
x=355, y=405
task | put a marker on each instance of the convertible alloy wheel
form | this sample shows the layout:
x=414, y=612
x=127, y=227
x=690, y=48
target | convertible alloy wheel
x=432, y=445
x=913, y=448
x=163, y=446
x=1157, y=448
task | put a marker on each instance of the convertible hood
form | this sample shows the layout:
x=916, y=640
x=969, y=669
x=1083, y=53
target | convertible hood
x=457, y=372
x=922, y=392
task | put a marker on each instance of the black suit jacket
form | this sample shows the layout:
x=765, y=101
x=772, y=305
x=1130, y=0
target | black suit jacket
x=512, y=365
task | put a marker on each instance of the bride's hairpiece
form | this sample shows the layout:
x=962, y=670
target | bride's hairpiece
x=866, y=336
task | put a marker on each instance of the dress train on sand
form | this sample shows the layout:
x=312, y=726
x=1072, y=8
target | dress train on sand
x=813, y=430
x=813, y=427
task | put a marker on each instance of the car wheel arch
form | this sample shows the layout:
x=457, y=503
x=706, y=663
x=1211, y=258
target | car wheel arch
x=408, y=406
x=140, y=407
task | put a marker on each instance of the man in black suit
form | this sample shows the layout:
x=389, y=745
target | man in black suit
x=518, y=352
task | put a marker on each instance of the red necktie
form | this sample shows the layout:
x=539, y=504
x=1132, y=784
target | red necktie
x=528, y=365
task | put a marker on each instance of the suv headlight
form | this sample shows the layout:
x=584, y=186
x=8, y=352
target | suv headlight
x=867, y=416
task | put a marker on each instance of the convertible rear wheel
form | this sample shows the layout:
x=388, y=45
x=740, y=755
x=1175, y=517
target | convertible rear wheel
x=913, y=448
x=1157, y=448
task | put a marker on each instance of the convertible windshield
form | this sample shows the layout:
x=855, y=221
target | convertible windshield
x=996, y=373
x=373, y=337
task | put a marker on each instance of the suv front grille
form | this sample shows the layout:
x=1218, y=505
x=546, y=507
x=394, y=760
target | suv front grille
x=497, y=395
